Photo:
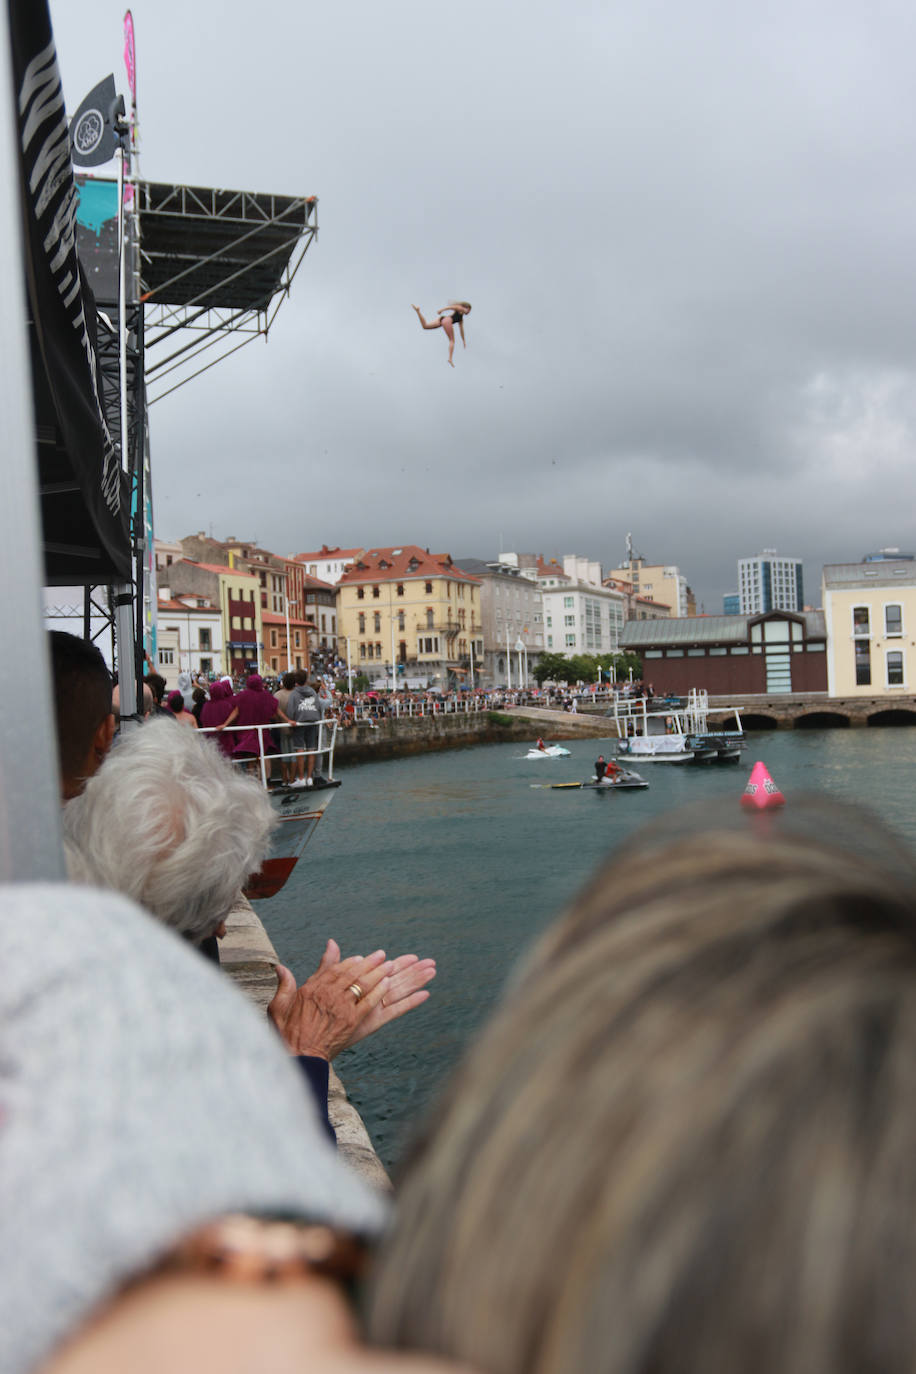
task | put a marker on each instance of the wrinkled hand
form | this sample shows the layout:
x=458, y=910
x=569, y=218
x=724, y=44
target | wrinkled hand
x=323, y=1017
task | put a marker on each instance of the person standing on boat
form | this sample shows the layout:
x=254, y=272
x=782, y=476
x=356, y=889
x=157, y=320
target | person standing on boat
x=306, y=706
x=253, y=707
x=600, y=766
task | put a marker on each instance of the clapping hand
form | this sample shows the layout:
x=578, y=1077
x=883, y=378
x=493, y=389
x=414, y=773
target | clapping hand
x=346, y=999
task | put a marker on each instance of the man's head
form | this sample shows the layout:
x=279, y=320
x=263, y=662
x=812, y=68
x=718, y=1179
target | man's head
x=157, y=685
x=82, y=709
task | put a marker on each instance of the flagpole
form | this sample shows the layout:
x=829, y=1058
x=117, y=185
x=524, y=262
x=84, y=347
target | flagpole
x=124, y=591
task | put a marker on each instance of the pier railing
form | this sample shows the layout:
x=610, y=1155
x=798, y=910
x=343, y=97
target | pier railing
x=327, y=737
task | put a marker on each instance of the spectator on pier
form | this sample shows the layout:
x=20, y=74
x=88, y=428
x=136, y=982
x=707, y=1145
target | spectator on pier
x=685, y=1142
x=173, y=825
x=176, y=705
x=163, y=1206
x=83, y=715
x=200, y=698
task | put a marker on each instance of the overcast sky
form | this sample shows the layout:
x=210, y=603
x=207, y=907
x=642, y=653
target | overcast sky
x=688, y=232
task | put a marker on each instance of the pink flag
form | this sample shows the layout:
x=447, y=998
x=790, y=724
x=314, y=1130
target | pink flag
x=129, y=57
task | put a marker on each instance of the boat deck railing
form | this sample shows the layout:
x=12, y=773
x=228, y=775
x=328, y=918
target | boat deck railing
x=327, y=737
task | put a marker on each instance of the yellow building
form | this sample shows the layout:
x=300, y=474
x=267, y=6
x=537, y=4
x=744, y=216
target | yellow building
x=657, y=582
x=870, y=616
x=410, y=617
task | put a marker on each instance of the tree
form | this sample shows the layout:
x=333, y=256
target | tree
x=552, y=667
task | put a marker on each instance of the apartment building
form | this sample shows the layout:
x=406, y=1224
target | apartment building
x=870, y=614
x=411, y=616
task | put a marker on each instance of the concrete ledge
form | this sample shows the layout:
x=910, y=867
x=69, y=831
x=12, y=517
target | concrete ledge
x=247, y=956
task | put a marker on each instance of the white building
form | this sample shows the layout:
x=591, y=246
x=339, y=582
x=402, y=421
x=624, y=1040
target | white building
x=581, y=616
x=190, y=636
x=770, y=582
x=328, y=565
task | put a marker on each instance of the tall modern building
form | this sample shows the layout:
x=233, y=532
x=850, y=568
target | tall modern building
x=770, y=582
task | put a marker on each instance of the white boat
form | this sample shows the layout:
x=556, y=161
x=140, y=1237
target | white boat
x=674, y=732
x=299, y=809
x=547, y=751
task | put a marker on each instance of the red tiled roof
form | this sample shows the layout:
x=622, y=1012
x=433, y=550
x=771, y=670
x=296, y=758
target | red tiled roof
x=315, y=584
x=218, y=568
x=174, y=605
x=402, y=564
x=551, y=569
x=274, y=618
x=322, y=555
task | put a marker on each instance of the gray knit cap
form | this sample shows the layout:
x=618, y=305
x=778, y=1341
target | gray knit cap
x=140, y=1095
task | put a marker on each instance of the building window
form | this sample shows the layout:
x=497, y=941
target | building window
x=860, y=624
x=569, y=601
x=863, y=663
x=429, y=588
x=360, y=593
x=362, y=622
x=550, y=622
x=400, y=589
x=570, y=641
x=569, y=620
x=895, y=668
x=550, y=641
x=206, y=665
x=893, y=622
x=378, y=621
x=203, y=639
x=376, y=592
x=362, y=651
x=273, y=639
x=400, y=620
x=429, y=617
x=166, y=655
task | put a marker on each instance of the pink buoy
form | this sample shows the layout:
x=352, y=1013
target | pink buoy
x=761, y=791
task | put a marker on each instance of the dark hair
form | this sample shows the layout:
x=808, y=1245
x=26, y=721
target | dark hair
x=157, y=686
x=684, y=1144
x=289, y=681
x=301, y=677
x=82, y=697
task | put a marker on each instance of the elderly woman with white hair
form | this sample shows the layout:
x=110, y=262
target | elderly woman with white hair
x=170, y=823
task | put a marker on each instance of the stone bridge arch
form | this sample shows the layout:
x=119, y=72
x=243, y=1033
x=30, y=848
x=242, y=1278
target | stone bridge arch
x=893, y=715
x=821, y=720
x=757, y=720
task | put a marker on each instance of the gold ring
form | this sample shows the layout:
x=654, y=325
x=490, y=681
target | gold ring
x=357, y=991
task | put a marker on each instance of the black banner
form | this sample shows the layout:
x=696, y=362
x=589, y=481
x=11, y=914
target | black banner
x=84, y=492
x=92, y=136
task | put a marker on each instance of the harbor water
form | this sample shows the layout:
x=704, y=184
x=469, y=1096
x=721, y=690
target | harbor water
x=456, y=855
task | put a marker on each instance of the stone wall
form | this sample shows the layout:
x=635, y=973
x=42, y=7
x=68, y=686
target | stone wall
x=248, y=957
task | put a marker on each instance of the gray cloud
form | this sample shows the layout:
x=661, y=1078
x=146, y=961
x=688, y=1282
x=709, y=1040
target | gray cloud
x=686, y=232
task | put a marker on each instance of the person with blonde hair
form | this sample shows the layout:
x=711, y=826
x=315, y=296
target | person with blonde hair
x=685, y=1142
x=447, y=318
